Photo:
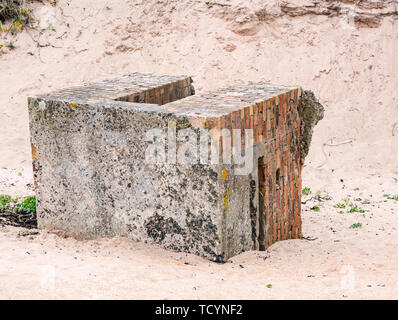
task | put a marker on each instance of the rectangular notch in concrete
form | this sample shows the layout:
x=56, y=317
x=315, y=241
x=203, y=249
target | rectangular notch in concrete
x=162, y=94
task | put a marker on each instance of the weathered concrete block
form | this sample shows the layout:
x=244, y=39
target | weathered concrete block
x=140, y=156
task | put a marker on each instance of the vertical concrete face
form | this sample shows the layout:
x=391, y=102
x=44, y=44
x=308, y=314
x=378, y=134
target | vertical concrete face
x=93, y=175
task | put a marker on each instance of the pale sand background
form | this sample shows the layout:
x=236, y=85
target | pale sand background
x=354, y=73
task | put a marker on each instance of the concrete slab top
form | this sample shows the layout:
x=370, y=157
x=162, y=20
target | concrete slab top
x=120, y=88
x=174, y=94
x=226, y=100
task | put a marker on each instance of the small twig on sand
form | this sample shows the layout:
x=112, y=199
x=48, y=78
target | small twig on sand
x=211, y=4
x=47, y=45
x=309, y=199
x=394, y=126
x=309, y=238
x=326, y=144
x=25, y=234
x=39, y=45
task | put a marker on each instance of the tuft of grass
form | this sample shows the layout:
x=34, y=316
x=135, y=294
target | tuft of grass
x=11, y=9
x=306, y=191
x=16, y=12
x=356, y=225
x=4, y=200
x=339, y=205
x=28, y=205
x=18, y=211
x=394, y=197
x=355, y=208
x=269, y=285
x=351, y=207
x=315, y=208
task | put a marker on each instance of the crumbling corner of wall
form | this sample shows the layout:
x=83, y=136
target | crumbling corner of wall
x=311, y=113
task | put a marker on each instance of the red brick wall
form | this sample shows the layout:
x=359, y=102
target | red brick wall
x=282, y=207
x=276, y=124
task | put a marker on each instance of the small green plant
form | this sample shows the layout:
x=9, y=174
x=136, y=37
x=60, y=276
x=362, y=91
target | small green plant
x=4, y=200
x=316, y=208
x=340, y=205
x=355, y=208
x=28, y=205
x=269, y=285
x=306, y=191
x=18, y=211
x=320, y=197
x=389, y=197
x=10, y=45
x=356, y=225
x=15, y=11
x=358, y=199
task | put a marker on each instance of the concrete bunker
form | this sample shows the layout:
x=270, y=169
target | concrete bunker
x=93, y=176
